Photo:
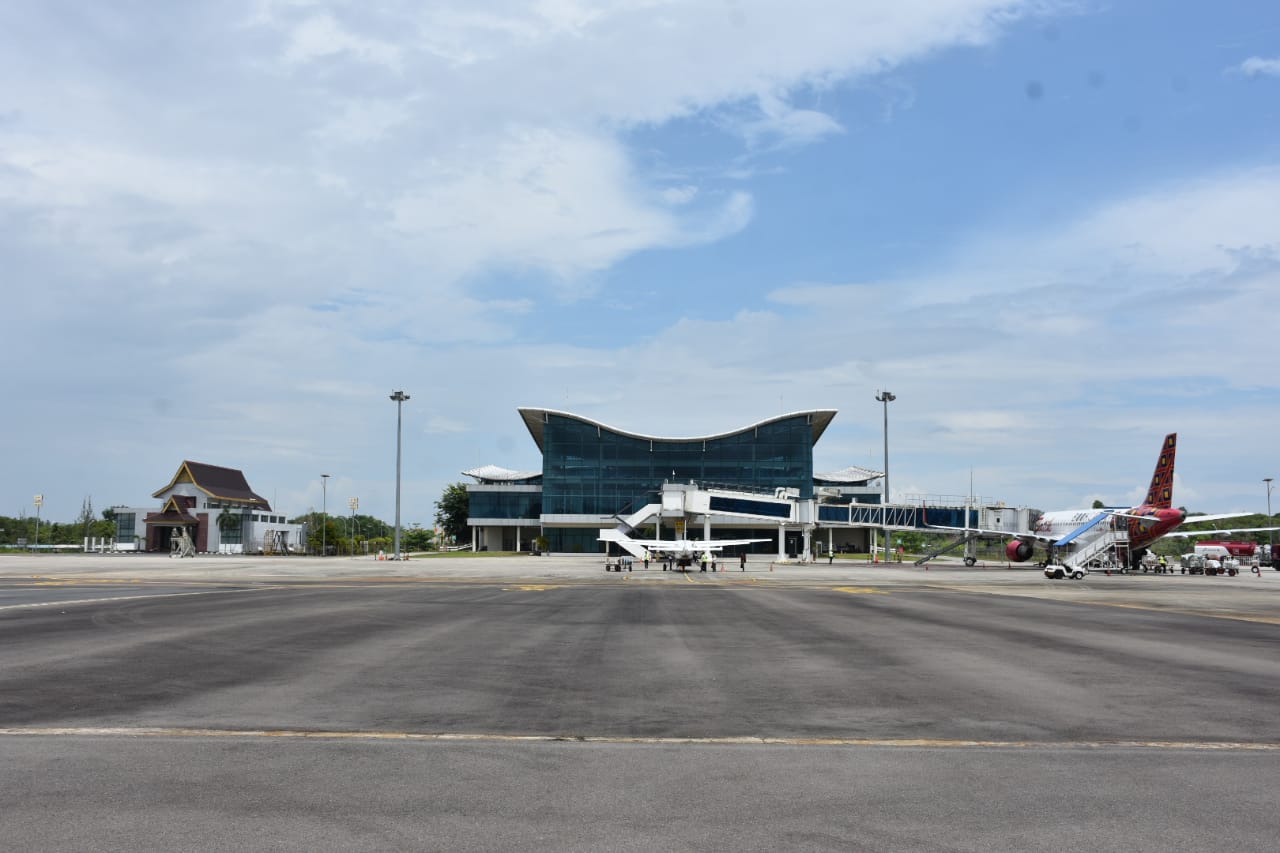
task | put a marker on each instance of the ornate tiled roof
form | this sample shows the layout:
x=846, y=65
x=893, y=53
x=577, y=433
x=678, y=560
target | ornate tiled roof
x=217, y=482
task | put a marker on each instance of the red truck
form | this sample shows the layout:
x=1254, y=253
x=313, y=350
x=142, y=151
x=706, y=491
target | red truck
x=1235, y=549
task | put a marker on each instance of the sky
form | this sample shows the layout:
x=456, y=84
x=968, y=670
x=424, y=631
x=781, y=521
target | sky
x=229, y=230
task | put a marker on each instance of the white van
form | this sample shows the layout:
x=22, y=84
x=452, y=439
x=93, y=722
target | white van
x=1213, y=552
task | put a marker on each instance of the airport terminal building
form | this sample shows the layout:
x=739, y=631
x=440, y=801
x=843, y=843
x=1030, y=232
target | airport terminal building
x=753, y=482
x=214, y=508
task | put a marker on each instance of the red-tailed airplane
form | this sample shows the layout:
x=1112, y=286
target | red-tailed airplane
x=1060, y=531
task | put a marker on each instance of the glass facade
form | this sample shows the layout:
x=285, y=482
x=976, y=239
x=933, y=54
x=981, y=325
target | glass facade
x=590, y=470
x=511, y=505
x=126, y=528
x=231, y=527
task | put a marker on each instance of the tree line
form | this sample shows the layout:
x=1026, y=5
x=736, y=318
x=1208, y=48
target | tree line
x=340, y=534
x=86, y=524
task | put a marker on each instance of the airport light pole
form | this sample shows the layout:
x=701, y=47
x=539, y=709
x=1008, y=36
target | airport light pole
x=353, y=503
x=886, y=398
x=1271, y=534
x=39, y=502
x=399, y=397
x=324, y=514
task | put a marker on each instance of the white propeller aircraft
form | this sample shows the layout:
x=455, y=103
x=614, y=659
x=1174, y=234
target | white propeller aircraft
x=683, y=552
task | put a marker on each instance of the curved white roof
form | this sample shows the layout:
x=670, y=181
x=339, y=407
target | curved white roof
x=852, y=474
x=493, y=472
x=535, y=420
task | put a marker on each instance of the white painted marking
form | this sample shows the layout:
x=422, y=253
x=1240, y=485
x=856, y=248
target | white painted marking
x=910, y=743
x=71, y=602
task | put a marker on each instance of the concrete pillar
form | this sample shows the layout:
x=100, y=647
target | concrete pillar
x=782, y=542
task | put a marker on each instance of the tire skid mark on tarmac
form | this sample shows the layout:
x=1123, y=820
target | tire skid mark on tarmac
x=1238, y=617
x=1124, y=605
x=461, y=737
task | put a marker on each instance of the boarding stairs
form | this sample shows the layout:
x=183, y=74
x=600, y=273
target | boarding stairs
x=1089, y=545
x=950, y=546
x=275, y=542
x=180, y=545
x=627, y=525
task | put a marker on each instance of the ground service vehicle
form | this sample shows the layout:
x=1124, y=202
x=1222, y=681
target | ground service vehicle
x=1232, y=548
x=1054, y=572
x=1199, y=564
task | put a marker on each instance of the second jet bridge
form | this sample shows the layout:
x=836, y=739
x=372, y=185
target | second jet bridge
x=680, y=500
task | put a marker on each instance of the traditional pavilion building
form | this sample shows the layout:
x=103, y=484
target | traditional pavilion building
x=216, y=508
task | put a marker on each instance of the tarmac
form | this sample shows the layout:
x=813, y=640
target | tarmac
x=541, y=703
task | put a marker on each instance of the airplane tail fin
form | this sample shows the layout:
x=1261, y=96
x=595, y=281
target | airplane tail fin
x=1160, y=495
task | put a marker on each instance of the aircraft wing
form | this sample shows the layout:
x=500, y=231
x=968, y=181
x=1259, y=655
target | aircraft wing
x=1220, y=532
x=717, y=544
x=690, y=544
x=1196, y=519
x=1026, y=535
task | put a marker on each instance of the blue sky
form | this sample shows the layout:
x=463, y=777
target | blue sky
x=229, y=230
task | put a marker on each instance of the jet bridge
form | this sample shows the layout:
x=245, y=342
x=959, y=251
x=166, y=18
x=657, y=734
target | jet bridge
x=681, y=503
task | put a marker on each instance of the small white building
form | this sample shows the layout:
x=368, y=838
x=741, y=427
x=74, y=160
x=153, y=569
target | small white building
x=216, y=508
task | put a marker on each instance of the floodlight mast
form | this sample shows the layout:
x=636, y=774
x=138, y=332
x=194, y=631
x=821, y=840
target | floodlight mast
x=1271, y=534
x=398, y=397
x=38, y=500
x=354, y=503
x=886, y=398
x=324, y=514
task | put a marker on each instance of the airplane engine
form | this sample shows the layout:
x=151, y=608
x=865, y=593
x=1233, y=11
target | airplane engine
x=1019, y=551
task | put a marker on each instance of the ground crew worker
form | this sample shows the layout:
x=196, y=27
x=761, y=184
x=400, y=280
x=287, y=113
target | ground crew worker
x=1164, y=564
x=646, y=558
x=742, y=560
x=705, y=559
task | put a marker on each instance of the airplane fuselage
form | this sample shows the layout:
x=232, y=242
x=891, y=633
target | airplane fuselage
x=1142, y=533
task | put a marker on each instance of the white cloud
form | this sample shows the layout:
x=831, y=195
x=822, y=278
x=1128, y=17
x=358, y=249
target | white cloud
x=779, y=124
x=1135, y=319
x=331, y=200
x=1256, y=66
x=322, y=37
x=679, y=195
x=499, y=140
x=360, y=122
x=559, y=201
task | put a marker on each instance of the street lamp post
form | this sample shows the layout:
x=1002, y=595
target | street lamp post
x=886, y=398
x=1271, y=534
x=324, y=515
x=39, y=502
x=353, y=503
x=399, y=397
